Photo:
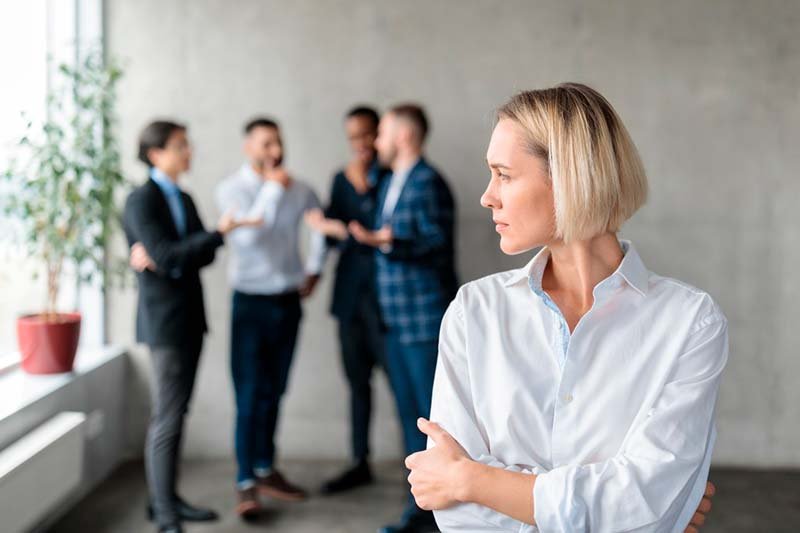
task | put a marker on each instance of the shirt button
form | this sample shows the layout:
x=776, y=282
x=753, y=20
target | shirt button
x=567, y=398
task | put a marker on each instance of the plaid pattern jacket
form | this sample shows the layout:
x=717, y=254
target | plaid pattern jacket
x=416, y=278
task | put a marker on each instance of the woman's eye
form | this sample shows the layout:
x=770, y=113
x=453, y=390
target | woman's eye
x=504, y=177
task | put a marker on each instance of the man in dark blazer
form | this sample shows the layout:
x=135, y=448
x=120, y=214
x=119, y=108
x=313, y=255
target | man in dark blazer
x=169, y=246
x=355, y=303
x=415, y=272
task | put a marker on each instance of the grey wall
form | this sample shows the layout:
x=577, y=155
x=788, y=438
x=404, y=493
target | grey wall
x=709, y=91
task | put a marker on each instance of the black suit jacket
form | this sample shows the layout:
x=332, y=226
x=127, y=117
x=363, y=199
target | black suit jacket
x=170, y=308
x=355, y=271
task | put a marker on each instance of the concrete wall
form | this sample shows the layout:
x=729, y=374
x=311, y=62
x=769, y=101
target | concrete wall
x=709, y=91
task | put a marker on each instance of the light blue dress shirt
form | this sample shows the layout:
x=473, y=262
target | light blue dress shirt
x=175, y=202
x=173, y=195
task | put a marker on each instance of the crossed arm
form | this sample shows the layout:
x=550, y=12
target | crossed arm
x=445, y=475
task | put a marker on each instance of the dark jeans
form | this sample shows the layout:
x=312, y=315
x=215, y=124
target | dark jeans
x=411, y=367
x=361, y=339
x=174, y=370
x=263, y=335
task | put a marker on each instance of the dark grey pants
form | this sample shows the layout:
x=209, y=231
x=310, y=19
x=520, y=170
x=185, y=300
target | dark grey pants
x=174, y=370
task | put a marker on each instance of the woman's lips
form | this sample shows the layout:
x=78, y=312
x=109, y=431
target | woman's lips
x=499, y=226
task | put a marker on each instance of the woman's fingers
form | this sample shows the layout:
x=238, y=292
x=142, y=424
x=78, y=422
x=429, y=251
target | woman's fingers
x=705, y=506
x=698, y=519
x=411, y=460
x=432, y=429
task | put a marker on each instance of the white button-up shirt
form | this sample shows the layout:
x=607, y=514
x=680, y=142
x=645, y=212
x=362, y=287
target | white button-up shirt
x=266, y=259
x=615, y=418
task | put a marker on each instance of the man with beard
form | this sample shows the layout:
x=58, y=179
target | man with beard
x=268, y=280
x=415, y=273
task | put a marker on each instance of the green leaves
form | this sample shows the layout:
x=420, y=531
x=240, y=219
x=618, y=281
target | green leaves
x=63, y=180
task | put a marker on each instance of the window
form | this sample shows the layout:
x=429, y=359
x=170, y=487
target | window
x=30, y=31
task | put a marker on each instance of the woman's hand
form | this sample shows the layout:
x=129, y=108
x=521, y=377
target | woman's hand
x=376, y=239
x=703, y=509
x=437, y=474
x=331, y=227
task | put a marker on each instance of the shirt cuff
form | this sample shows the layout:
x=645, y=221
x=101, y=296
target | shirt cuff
x=551, y=502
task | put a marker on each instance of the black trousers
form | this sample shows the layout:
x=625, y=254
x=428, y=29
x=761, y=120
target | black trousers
x=362, y=347
x=173, y=375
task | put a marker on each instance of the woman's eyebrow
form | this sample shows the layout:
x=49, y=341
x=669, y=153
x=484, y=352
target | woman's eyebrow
x=497, y=165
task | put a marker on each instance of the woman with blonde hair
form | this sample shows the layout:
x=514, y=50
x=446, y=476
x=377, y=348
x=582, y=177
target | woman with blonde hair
x=576, y=393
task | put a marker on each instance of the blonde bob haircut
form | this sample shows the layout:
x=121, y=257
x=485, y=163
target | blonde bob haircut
x=596, y=173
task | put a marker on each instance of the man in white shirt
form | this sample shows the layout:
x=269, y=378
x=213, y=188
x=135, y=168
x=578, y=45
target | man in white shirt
x=268, y=279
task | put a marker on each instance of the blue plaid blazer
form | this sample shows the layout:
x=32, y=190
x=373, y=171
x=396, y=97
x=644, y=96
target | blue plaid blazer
x=416, y=279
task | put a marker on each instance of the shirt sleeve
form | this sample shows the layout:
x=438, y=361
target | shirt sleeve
x=231, y=198
x=317, y=247
x=665, y=457
x=452, y=408
x=266, y=203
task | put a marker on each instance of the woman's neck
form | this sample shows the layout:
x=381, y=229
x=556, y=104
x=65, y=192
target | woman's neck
x=575, y=268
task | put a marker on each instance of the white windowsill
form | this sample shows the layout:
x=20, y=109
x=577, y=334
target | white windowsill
x=8, y=363
x=19, y=389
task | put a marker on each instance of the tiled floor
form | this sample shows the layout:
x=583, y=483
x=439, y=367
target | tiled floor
x=746, y=502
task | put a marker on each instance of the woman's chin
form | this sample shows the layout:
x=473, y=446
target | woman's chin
x=509, y=247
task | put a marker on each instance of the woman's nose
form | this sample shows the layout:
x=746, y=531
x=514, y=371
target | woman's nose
x=489, y=199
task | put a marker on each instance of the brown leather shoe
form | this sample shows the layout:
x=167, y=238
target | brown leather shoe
x=276, y=486
x=248, y=506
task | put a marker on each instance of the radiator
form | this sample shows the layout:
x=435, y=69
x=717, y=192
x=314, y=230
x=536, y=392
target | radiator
x=39, y=470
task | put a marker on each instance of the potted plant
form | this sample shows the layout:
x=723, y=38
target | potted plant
x=63, y=181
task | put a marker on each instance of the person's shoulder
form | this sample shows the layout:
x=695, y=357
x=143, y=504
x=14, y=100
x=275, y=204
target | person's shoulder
x=141, y=191
x=684, y=299
x=487, y=292
x=427, y=180
x=301, y=186
x=424, y=170
x=302, y=190
x=229, y=181
x=339, y=180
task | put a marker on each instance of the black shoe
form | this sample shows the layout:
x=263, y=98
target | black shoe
x=188, y=513
x=417, y=523
x=173, y=528
x=356, y=476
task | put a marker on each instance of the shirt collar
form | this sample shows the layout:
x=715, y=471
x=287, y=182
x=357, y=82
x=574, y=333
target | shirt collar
x=250, y=174
x=403, y=174
x=164, y=182
x=632, y=270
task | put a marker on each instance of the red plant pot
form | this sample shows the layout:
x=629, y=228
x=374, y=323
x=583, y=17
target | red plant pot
x=48, y=343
